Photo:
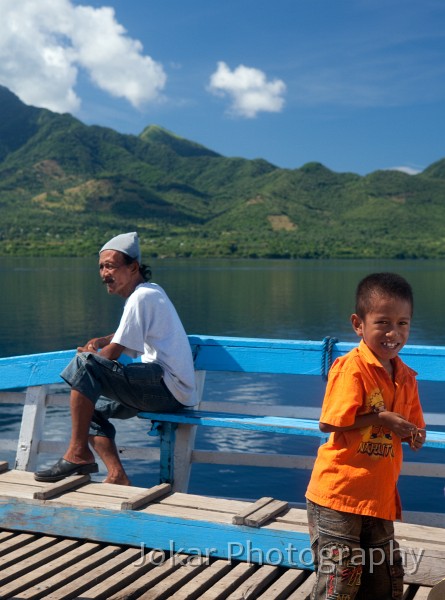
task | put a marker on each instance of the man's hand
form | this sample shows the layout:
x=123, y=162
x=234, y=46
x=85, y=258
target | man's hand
x=95, y=344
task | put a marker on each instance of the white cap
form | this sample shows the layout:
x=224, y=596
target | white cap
x=128, y=243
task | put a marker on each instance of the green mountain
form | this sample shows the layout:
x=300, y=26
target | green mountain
x=65, y=187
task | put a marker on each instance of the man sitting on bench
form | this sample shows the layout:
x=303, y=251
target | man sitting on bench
x=164, y=381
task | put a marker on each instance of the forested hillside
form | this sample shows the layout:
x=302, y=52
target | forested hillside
x=66, y=187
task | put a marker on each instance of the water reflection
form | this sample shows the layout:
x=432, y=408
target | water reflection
x=51, y=303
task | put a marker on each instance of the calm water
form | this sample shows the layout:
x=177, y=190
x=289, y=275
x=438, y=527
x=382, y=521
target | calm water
x=57, y=304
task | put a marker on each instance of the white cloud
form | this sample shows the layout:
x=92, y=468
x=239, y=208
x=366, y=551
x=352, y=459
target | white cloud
x=407, y=170
x=44, y=44
x=249, y=90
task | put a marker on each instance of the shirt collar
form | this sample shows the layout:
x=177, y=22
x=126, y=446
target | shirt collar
x=400, y=368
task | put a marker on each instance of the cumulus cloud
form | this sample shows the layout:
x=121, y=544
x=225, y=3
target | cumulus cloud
x=249, y=90
x=44, y=45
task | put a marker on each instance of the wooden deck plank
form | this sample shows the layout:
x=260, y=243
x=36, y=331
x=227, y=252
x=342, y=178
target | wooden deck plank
x=255, y=584
x=250, y=508
x=296, y=516
x=23, y=546
x=17, y=490
x=80, y=572
x=302, y=592
x=11, y=540
x=283, y=586
x=168, y=587
x=5, y=535
x=56, y=566
x=146, y=581
x=21, y=477
x=20, y=569
x=85, y=500
x=108, y=573
x=266, y=513
x=194, y=589
x=147, y=496
x=119, y=574
x=69, y=483
x=422, y=593
x=229, y=583
x=188, y=513
x=413, y=533
x=196, y=501
x=123, y=492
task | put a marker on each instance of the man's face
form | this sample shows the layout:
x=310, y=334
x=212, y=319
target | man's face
x=115, y=273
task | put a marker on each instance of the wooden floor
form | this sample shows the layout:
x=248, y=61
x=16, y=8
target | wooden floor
x=38, y=566
x=48, y=562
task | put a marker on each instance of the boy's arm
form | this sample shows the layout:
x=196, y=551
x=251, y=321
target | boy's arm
x=390, y=420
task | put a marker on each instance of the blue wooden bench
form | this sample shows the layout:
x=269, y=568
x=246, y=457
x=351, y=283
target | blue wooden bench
x=212, y=354
x=165, y=425
x=262, y=356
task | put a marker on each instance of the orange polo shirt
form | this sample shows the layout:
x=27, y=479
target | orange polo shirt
x=357, y=470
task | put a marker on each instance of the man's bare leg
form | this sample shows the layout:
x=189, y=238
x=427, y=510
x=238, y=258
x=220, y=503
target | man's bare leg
x=82, y=410
x=106, y=449
x=79, y=451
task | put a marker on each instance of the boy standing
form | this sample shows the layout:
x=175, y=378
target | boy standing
x=371, y=405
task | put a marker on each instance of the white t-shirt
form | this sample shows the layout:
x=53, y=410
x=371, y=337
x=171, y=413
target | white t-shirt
x=150, y=327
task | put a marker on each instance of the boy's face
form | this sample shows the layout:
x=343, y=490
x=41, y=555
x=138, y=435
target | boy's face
x=385, y=328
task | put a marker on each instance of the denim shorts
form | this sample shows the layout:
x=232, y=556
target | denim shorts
x=355, y=556
x=118, y=391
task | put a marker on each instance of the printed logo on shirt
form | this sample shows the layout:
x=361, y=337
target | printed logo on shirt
x=376, y=440
x=374, y=401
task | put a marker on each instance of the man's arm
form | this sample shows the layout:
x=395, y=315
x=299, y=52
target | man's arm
x=107, y=348
x=112, y=351
x=96, y=343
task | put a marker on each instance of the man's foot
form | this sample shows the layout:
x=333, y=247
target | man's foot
x=117, y=480
x=64, y=468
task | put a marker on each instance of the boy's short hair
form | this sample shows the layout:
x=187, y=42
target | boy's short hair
x=381, y=284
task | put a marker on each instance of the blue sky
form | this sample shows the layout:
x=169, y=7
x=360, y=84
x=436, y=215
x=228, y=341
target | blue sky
x=357, y=85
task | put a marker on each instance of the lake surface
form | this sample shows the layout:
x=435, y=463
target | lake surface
x=59, y=303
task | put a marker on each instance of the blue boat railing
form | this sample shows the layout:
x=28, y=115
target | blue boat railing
x=28, y=380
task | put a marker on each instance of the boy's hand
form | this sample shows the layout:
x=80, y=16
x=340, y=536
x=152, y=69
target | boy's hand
x=417, y=439
x=397, y=424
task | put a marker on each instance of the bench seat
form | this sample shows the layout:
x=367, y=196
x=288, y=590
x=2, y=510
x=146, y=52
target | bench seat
x=166, y=424
x=269, y=424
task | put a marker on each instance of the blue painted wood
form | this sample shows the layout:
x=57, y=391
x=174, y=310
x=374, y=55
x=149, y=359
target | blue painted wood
x=435, y=439
x=227, y=354
x=33, y=369
x=297, y=357
x=270, y=424
x=284, y=425
x=167, y=451
x=136, y=528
